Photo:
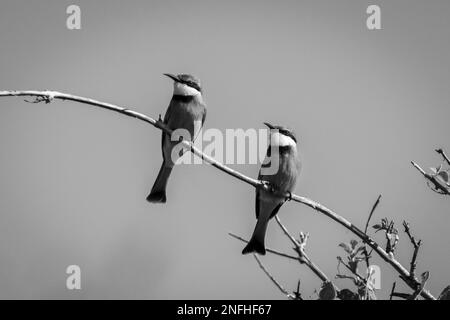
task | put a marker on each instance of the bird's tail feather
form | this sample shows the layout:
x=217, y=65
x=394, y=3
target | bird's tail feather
x=158, y=193
x=256, y=243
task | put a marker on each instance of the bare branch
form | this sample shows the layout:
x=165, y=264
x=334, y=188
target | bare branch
x=442, y=153
x=51, y=95
x=302, y=256
x=281, y=254
x=416, y=244
x=290, y=237
x=279, y=286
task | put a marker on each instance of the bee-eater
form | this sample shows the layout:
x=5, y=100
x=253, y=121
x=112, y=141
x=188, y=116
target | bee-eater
x=282, y=152
x=187, y=111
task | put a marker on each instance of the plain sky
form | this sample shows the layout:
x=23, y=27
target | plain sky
x=73, y=179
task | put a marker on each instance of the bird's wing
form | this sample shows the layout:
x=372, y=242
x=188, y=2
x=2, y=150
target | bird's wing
x=204, y=116
x=277, y=208
x=257, y=203
x=260, y=177
x=165, y=121
x=168, y=113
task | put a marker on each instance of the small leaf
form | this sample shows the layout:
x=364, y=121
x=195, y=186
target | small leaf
x=346, y=247
x=360, y=249
x=425, y=277
x=377, y=226
x=327, y=291
x=445, y=295
x=353, y=243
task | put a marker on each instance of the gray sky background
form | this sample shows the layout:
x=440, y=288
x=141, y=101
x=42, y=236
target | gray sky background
x=74, y=179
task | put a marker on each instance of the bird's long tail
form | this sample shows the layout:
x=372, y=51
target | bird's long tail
x=256, y=243
x=158, y=193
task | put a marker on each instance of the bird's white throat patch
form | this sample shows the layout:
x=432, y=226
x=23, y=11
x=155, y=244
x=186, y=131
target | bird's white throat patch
x=280, y=140
x=184, y=90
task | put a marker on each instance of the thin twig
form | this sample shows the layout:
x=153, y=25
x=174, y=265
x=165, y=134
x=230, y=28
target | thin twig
x=442, y=153
x=375, y=205
x=281, y=254
x=48, y=96
x=302, y=256
x=416, y=244
x=279, y=286
x=392, y=291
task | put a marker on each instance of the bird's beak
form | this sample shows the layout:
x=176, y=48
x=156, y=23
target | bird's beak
x=269, y=125
x=171, y=76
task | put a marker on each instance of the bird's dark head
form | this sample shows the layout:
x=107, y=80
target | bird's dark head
x=185, y=84
x=281, y=136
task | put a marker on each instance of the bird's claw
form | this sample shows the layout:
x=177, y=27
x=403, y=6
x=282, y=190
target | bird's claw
x=267, y=186
x=289, y=197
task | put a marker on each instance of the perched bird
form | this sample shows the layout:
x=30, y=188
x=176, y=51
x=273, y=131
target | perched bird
x=282, y=151
x=186, y=111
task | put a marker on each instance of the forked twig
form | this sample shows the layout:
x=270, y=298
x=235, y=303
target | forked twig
x=416, y=244
x=300, y=250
